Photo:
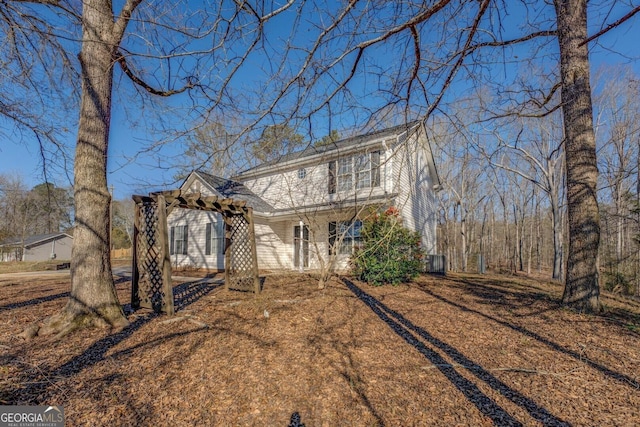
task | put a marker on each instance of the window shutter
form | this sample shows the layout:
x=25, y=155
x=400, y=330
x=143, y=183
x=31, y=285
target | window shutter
x=186, y=241
x=207, y=245
x=332, y=237
x=220, y=235
x=375, y=169
x=171, y=240
x=332, y=177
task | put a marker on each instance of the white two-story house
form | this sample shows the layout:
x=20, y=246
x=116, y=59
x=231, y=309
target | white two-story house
x=308, y=206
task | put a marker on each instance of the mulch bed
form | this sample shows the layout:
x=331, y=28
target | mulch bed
x=461, y=350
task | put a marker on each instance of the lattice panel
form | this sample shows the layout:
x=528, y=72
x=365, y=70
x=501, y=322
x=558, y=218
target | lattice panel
x=241, y=268
x=149, y=256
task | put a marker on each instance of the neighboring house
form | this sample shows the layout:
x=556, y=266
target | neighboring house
x=308, y=205
x=37, y=248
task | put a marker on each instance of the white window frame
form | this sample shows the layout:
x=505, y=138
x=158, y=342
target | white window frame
x=354, y=172
x=179, y=240
x=348, y=233
x=216, y=239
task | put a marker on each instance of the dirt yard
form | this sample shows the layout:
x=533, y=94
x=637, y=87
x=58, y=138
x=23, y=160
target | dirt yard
x=461, y=350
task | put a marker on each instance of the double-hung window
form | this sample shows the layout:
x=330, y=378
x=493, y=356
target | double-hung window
x=179, y=240
x=354, y=172
x=348, y=233
x=345, y=174
x=214, y=243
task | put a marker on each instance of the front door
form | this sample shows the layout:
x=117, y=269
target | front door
x=300, y=251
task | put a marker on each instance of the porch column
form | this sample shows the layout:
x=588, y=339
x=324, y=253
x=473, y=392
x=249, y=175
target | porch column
x=301, y=248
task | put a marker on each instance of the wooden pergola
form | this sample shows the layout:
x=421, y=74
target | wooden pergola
x=151, y=282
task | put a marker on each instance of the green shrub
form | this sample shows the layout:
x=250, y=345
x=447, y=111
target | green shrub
x=389, y=253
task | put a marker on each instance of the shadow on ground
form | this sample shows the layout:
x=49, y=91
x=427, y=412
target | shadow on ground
x=493, y=292
x=185, y=294
x=421, y=340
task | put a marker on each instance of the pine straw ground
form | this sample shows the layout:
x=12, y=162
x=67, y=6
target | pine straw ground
x=461, y=350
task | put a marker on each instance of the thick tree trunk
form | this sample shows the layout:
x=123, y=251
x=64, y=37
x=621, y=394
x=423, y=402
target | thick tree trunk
x=581, y=290
x=93, y=297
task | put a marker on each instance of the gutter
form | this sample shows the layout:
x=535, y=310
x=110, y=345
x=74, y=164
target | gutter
x=324, y=156
x=324, y=207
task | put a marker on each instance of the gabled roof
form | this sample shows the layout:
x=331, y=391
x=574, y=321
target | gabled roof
x=34, y=240
x=336, y=148
x=233, y=190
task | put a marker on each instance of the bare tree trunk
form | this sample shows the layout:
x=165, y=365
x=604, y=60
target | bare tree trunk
x=539, y=242
x=557, y=236
x=530, y=249
x=582, y=289
x=464, y=237
x=93, y=297
x=638, y=220
x=619, y=224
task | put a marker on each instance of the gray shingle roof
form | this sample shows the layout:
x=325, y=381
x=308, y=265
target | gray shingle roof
x=338, y=145
x=235, y=190
x=31, y=240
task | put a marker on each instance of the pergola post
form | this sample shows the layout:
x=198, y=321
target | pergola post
x=254, y=253
x=227, y=250
x=135, y=271
x=165, y=256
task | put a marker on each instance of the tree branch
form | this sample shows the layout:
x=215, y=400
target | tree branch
x=125, y=68
x=123, y=20
x=611, y=26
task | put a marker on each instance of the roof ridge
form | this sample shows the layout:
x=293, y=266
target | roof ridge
x=312, y=149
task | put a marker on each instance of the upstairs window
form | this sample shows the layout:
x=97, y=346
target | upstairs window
x=354, y=172
x=345, y=174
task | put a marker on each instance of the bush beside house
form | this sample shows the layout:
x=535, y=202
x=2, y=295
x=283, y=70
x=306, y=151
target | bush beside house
x=389, y=253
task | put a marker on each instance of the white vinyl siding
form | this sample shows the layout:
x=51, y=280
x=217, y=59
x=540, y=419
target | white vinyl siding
x=196, y=239
x=416, y=196
x=272, y=245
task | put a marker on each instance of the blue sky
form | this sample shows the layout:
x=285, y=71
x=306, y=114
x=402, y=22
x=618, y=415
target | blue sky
x=132, y=172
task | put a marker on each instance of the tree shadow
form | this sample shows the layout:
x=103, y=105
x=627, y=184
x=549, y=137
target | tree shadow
x=406, y=330
x=323, y=343
x=622, y=378
x=40, y=300
x=34, y=301
x=187, y=294
x=510, y=295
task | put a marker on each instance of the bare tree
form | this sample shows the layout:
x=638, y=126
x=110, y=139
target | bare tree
x=429, y=62
x=582, y=288
x=462, y=176
x=178, y=64
x=617, y=132
x=315, y=72
x=539, y=144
